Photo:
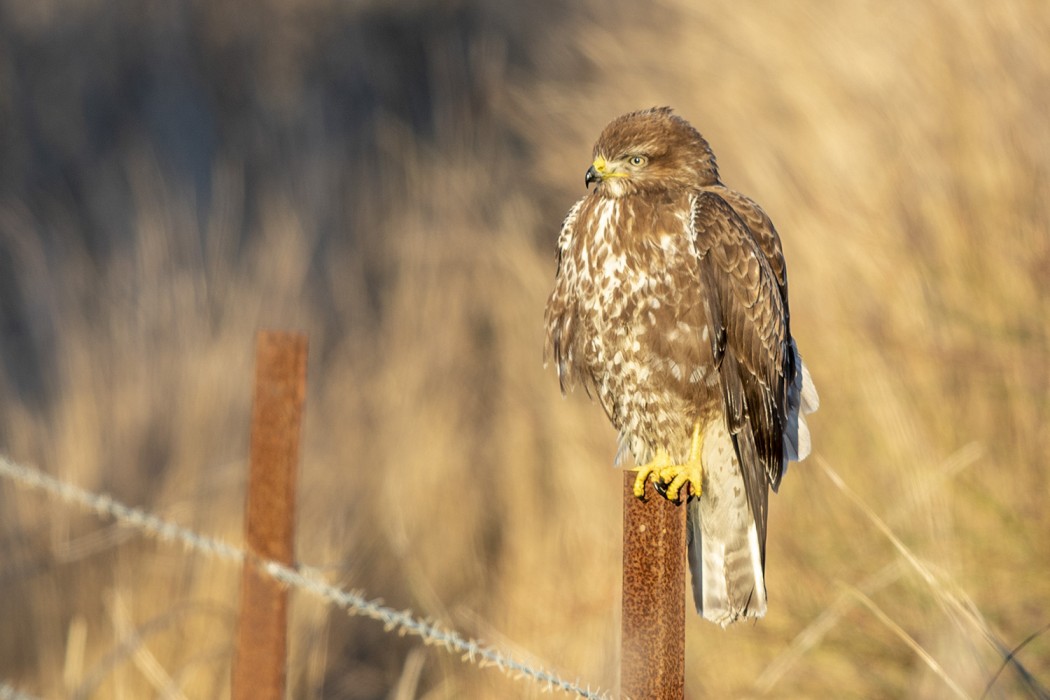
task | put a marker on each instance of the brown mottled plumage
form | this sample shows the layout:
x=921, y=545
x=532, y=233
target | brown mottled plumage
x=670, y=305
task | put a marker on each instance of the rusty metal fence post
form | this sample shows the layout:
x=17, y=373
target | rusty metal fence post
x=652, y=660
x=277, y=408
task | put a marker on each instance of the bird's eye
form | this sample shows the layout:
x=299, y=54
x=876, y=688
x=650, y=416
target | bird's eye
x=637, y=161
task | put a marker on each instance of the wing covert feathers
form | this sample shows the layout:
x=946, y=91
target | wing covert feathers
x=757, y=358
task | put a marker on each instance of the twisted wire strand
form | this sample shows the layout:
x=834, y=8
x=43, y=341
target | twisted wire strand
x=405, y=622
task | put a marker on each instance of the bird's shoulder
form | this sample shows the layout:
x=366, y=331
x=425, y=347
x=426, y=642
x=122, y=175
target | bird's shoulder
x=758, y=225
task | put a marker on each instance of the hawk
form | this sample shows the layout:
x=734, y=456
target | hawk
x=670, y=305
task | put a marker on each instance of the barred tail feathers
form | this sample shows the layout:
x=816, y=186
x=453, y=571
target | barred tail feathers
x=725, y=555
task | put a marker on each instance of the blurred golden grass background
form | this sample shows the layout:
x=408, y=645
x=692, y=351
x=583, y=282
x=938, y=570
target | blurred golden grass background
x=390, y=180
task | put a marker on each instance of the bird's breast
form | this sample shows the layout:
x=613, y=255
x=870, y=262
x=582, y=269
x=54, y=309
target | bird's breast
x=647, y=341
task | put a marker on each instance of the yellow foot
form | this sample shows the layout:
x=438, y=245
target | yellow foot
x=670, y=478
x=651, y=470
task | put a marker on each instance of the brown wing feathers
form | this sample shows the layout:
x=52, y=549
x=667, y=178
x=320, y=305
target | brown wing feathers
x=750, y=317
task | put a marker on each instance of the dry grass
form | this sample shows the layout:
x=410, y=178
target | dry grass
x=391, y=182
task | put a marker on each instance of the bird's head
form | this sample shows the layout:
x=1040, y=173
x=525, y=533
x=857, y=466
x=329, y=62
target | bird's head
x=649, y=151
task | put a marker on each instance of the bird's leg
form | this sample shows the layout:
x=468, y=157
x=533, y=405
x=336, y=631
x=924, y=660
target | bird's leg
x=692, y=472
x=672, y=477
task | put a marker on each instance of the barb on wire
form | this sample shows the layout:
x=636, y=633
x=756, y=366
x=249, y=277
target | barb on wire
x=404, y=621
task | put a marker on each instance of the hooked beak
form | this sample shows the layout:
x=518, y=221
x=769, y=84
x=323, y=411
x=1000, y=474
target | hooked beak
x=592, y=176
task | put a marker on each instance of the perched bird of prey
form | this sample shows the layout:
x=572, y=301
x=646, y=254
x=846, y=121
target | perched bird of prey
x=670, y=305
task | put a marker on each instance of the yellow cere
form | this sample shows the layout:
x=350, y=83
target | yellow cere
x=602, y=166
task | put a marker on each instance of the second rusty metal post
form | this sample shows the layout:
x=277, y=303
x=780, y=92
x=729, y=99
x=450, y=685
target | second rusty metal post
x=652, y=662
x=277, y=408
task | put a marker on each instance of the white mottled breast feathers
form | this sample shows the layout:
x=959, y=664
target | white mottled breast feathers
x=635, y=279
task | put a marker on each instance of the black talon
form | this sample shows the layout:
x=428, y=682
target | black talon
x=661, y=488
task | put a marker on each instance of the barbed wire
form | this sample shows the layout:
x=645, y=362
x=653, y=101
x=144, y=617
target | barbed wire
x=405, y=622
